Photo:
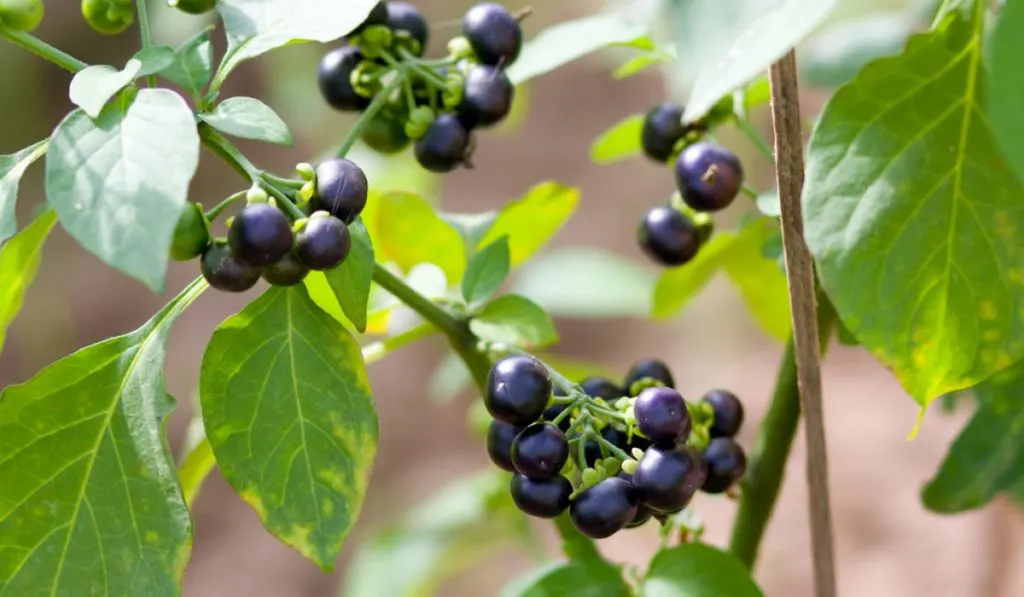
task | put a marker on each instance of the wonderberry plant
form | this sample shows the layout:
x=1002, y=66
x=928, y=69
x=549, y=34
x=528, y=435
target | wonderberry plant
x=900, y=237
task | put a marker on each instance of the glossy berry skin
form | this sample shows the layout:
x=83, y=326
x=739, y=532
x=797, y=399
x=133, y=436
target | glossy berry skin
x=592, y=450
x=107, y=16
x=543, y=498
x=224, y=272
x=708, y=176
x=499, y=444
x=602, y=387
x=540, y=451
x=663, y=128
x=668, y=476
x=643, y=514
x=604, y=509
x=652, y=368
x=517, y=392
x=323, y=243
x=286, y=271
x=260, y=235
x=335, y=79
x=486, y=98
x=668, y=237
x=493, y=33
x=661, y=415
x=378, y=16
x=341, y=189
x=404, y=16
x=443, y=148
x=385, y=133
x=726, y=462
x=728, y=413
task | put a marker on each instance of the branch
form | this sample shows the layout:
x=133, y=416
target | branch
x=789, y=170
x=40, y=48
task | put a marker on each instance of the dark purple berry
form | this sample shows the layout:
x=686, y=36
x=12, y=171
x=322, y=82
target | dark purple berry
x=493, y=33
x=649, y=368
x=726, y=462
x=260, y=235
x=404, y=16
x=708, y=176
x=604, y=509
x=341, y=189
x=540, y=451
x=668, y=476
x=728, y=413
x=602, y=387
x=613, y=435
x=543, y=498
x=224, y=272
x=444, y=146
x=643, y=514
x=499, y=444
x=663, y=128
x=286, y=271
x=335, y=79
x=486, y=97
x=378, y=16
x=518, y=389
x=661, y=415
x=668, y=237
x=323, y=243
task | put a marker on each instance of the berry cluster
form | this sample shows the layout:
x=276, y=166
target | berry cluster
x=708, y=178
x=614, y=456
x=435, y=104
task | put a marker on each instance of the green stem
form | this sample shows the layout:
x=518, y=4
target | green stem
x=145, y=34
x=216, y=143
x=40, y=48
x=369, y=113
x=756, y=138
x=282, y=182
x=413, y=63
x=284, y=202
x=376, y=351
x=215, y=212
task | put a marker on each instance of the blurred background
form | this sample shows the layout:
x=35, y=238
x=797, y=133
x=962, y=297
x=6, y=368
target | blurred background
x=887, y=543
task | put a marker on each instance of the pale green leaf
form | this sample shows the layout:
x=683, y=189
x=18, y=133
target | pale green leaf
x=92, y=87
x=761, y=282
x=409, y=232
x=322, y=294
x=834, y=56
x=533, y=220
x=19, y=260
x=621, y=141
x=154, y=59
x=569, y=580
x=351, y=280
x=249, y=118
x=471, y=227
x=641, y=63
x=677, y=286
x=197, y=464
x=514, y=320
x=193, y=64
x=486, y=271
x=698, y=570
x=12, y=168
x=1005, y=83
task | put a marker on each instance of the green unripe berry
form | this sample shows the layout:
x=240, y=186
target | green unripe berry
x=21, y=15
x=191, y=234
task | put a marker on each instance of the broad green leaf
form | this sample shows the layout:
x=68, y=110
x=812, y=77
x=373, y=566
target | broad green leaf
x=322, y=294
x=586, y=282
x=409, y=232
x=620, y=142
x=988, y=456
x=565, y=42
x=91, y=502
x=289, y=413
x=723, y=44
x=249, y=118
x=93, y=86
x=486, y=271
x=471, y=227
x=154, y=59
x=351, y=280
x=118, y=182
x=834, y=56
x=193, y=64
x=254, y=27
x=677, y=286
x=569, y=580
x=12, y=168
x=19, y=260
x=514, y=320
x=1005, y=82
x=760, y=281
x=914, y=217
x=697, y=570
x=639, y=64
x=533, y=220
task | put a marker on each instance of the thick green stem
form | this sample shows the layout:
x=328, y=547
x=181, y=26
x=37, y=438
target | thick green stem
x=145, y=34
x=42, y=49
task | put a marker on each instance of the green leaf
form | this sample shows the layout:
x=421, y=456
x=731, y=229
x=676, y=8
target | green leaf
x=1006, y=82
x=351, y=280
x=834, y=56
x=288, y=409
x=118, y=183
x=677, y=286
x=249, y=118
x=988, y=456
x=638, y=64
x=620, y=142
x=12, y=168
x=565, y=42
x=586, y=282
x=93, y=86
x=485, y=273
x=533, y=220
x=722, y=45
x=254, y=27
x=19, y=260
x=760, y=281
x=193, y=64
x=913, y=216
x=91, y=501
x=569, y=580
x=409, y=232
x=697, y=570
x=471, y=227
x=515, y=320
x=194, y=469
x=154, y=59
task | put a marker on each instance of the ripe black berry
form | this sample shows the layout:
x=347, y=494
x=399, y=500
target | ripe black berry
x=602, y=387
x=604, y=509
x=540, y=451
x=499, y=444
x=487, y=97
x=668, y=237
x=224, y=272
x=260, y=235
x=726, y=462
x=493, y=33
x=286, y=271
x=323, y=243
x=543, y=498
x=518, y=388
x=661, y=415
x=335, y=79
x=663, y=128
x=404, y=16
x=378, y=16
x=643, y=514
x=444, y=146
x=651, y=368
x=708, y=176
x=728, y=413
x=341, y=189
x=668, y=476
x=385, y=133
